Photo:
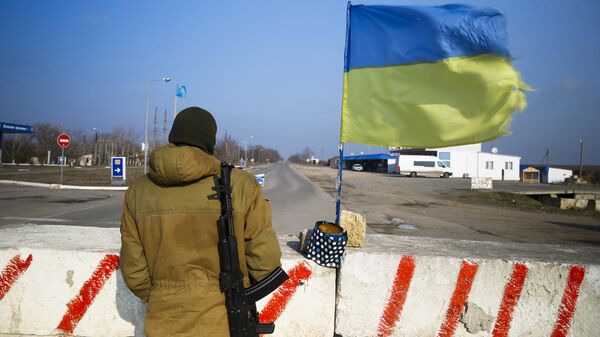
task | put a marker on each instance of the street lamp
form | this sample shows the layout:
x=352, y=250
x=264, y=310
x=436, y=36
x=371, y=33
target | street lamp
x=166, y=80
x=580, y=158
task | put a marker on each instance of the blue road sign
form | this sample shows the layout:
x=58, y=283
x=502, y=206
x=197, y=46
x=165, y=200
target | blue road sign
x=260, y=179
x=118, y=167
x=15, y=128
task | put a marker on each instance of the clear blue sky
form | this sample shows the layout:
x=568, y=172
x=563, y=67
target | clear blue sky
x=271, y=69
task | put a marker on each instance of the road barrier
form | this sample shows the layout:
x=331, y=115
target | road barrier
x=75, y=287
x=63, y=279
x=447, y=296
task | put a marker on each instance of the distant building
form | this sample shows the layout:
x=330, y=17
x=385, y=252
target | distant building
x=529, y=174
x=469, y=161
x=553, y=175
x=382, y=163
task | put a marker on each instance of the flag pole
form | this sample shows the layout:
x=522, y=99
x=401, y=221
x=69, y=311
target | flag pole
x=175, y=108
x=338, y=203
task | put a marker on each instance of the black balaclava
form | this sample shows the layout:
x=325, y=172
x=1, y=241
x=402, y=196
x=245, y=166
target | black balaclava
x=196, y=127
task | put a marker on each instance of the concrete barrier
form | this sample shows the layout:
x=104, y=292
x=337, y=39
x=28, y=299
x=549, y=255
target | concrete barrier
x=481, y=183
x=430, y=287
x=63, y=279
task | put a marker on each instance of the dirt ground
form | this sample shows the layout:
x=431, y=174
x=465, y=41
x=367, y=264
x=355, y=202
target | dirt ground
x=447, y=208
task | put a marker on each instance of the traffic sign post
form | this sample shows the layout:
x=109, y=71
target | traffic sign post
x=63, y=141
x=12, y=128
x=118, y=170
x=260, y=179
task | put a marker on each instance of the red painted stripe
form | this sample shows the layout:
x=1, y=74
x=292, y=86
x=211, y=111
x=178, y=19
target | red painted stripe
x=459, y=298
x=569, y=301
x=15, y=268
x=77, y=307
x=393, y=309
x=281, y=297
x=512, y=293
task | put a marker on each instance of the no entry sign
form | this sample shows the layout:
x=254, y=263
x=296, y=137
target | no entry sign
x=63, y=140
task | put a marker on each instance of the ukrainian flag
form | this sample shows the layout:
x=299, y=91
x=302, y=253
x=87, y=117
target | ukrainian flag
x=427, y=76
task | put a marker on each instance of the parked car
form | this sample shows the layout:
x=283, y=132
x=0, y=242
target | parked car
x=418, y=165
x=357, y=167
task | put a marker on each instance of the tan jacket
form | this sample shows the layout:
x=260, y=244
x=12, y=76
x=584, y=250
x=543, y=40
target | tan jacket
x=169, y=255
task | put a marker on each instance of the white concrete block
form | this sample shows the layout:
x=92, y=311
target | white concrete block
x=311, y=309
x=481, y=183
x=368, y=276
x=37, y=301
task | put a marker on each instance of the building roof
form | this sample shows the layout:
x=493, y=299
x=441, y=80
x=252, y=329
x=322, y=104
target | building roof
x=379, y=156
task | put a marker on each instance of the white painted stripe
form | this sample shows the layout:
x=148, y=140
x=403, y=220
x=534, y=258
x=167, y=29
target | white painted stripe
x=65, y=187
x=35, y=219
x=23, y=183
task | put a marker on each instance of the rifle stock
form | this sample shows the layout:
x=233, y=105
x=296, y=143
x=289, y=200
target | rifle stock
x=240, y=302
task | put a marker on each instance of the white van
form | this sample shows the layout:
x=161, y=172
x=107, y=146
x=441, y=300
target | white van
x=427, y=166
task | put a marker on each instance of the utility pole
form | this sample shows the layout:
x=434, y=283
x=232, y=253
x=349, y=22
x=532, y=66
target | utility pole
x=155, y=126
x=164, y=140
x=580, y=158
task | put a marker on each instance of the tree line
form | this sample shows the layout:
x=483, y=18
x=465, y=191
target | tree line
x=96, y=148
x=306, y=156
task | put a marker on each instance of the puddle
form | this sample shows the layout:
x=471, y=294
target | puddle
x=407, y=227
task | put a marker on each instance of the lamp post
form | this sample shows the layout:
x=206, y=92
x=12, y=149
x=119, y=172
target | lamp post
x=580, y=158
x=166, y=80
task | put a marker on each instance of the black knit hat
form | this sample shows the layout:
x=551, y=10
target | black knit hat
x=196, y=127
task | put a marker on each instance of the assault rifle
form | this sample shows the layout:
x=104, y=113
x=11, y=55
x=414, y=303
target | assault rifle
x=240, y=302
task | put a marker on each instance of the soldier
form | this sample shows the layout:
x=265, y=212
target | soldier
x=169, y=255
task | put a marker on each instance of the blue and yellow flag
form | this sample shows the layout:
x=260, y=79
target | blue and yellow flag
x=427, y=76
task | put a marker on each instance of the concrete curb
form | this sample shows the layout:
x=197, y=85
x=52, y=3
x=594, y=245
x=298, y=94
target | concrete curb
x=64, y=187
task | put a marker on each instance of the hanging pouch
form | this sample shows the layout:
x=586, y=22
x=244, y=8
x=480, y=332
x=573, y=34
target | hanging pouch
x=327, y=244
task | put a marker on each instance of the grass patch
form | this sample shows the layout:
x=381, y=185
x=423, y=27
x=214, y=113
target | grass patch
x=520, y=201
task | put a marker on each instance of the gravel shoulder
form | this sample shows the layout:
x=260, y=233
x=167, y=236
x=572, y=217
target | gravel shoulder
x=447, y=208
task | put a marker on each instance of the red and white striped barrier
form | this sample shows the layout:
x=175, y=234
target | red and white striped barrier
x=72, y=289
x=442, y=296
x=61, y=279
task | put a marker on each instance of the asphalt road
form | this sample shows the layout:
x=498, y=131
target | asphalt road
x=297, y=203
x=42, y=206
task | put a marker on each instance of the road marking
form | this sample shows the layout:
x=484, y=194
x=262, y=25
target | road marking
x=15, y=268
x=569, y=301
x=279, y=300
x=459, y=298
x=393, y=309
x=78, y=306
x=35, y=219
x=512, y=293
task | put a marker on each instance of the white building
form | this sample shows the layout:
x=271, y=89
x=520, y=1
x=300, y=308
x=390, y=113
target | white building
x=469, y=161
x=553, y=175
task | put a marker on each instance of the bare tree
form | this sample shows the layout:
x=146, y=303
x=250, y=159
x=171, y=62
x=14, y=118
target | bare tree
x=227, y=149
x=17, y=148
x=307, y=152
x=45, y=135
